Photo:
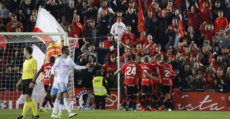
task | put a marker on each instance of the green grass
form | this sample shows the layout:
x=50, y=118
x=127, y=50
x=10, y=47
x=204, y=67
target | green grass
x=113, y=114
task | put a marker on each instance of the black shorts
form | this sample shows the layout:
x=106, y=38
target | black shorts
x=147, y=89
x=166, y=89
x=46, y=88
x=131, y=89
x=25, y=87
x=157, y=88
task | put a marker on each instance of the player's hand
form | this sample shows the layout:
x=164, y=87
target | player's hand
x=31, y=85
x=18, y=84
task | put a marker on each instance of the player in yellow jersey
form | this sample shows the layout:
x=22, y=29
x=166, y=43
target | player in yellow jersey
x=28, y=81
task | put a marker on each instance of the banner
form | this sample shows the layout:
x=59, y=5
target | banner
x=141, y=20
x=85, y=99
x=202, y=101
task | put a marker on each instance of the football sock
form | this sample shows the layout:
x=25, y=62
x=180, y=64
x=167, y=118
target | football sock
x=60, y=108
x=143, y=101
x=25, y=108
x=56, y=105
x=134, y=101
x=150, y=100
x=51, y=104
x=66, y=102
x=44, y=102
x=33, y=107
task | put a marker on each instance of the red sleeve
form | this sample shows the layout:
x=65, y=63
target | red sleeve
x=210, y=59
x=139, y=68
x=42, y=68
x=9, y=28
x=122, y=38
x=122, y=58
x=202, y=28
x=181, y=48
x=150, y=7
x=83, y=30
x=105, y=65
x=173, y=74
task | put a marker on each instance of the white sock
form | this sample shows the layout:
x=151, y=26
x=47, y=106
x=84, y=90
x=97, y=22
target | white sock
x=56, y=105
x=60, y=108
x=66, y=102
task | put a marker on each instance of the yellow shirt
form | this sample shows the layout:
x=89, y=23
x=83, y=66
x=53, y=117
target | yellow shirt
x=29, y=66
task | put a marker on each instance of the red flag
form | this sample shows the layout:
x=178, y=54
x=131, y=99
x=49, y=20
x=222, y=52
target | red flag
x=141, y=20
x=3, y=42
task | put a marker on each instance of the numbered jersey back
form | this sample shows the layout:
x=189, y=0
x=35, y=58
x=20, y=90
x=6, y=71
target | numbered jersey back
x=46, y=69
x=132, y=70
x=166, y=73
x=149, y=69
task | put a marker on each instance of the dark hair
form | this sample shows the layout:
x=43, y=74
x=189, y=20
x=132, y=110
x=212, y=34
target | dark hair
x=91, y=20
x=52, y=59
x=132, y=56
x=110, y=62
x=109, y=34
x=99, y=72
x=146, y=59
x=174, y=18
x=165, y=59
x=63, y=48
x=71, y=27
x=29, y=50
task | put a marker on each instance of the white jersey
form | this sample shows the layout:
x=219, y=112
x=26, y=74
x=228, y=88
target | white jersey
x=62, y=66
x=55, y=80
x=118, y=28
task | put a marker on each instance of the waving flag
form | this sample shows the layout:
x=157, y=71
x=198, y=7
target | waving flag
x=141, y=20
x=47, y=23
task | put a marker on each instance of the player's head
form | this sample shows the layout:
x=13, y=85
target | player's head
x=100, y=72
x=65, y=50
x=52, y=59
x=28, y=51
x=146, y=59
x=132, y=57
x=220, y=13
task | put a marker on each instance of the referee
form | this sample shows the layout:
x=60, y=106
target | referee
x=28, y=80
x=100, y=89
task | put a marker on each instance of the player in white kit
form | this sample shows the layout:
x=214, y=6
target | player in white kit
x=62, y=65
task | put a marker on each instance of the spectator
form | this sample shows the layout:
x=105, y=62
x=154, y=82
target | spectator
x=124, y=57
x=194, y=21
x=11, y=5
x=142, y=39
x=108, y=43
x=22, y=17
x=220, y=83
x=151, y=24
x=53, y=8
x=10, y=27
x=208, y=78
x=15, y=75
x=207, y=30
x=131, y=20
x=218, y=63
x=91, y=32
x=177, y=80
x=216, y=45
x=118, y=29
x=89, y=74
x=27, y=8
x=203, y=54
x=223, y=39
x=69, y=11
x=4, y=12
x=216, y=7
x=2, y=26
x=128, y=35
x=105, y=7
x=30, y=24
x=206, y=11
x=173, y=32
x=6, y=79
x=110, y=67
x=227, y=32
x=119, y=14
x=72, y=33
x=64, y=24
x=193, y=81
x=77, y=27
x=102, y=52
x=91, y=48
x=82, y=59
x=103, y=25
x=220, y=22
x=89, y=11
x=227, y=11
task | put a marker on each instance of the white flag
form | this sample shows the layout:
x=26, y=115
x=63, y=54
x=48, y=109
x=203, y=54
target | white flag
x=47, y=23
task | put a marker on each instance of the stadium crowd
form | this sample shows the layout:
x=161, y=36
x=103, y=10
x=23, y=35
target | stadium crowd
x=194, y=36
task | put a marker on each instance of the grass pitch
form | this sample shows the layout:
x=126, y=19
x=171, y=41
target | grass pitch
x=114, y=114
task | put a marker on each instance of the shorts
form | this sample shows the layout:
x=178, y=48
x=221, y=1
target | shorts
x=147, y=89
x=157, y=88
x=166, y=89
x=131, y=89
x=62, y=87
x=25, y=87
x=54, y=91
x=46, y=88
